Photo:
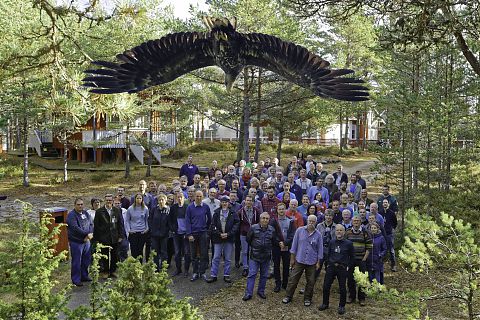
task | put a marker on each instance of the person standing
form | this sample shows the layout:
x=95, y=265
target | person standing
x=182, y=246
x=79, y=233
x=260, y=238
x=249, y=215
x=306, y=255
x=189, y=170
x=340, y=257
x=224, y=227
x=137, y=224
x=280, y=251
x=108, y=231
x=124, y=245
x=197, y=222
x=159, y=224
x=362, y=243
x=390, y=225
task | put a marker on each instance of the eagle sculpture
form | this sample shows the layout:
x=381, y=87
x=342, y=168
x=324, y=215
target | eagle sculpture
x=163, y=60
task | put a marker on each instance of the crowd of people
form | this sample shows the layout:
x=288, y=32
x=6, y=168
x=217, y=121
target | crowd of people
x=299, y=217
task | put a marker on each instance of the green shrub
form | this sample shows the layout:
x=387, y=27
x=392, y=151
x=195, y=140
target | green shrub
x=212, y=147
x=314, y=150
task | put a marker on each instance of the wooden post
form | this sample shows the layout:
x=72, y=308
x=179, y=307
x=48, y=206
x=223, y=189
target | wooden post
x=99, y=152
x=84, y=155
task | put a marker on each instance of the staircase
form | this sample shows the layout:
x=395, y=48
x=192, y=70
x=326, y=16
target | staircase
x=48, y=151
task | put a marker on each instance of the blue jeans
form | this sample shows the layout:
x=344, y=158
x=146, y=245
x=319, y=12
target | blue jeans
x=81, y=256
x=226, y=248
x=199, y=252
x=391, y=247
x=375, y=274
x=254, y=266
x=243, y=240
x=182, y=250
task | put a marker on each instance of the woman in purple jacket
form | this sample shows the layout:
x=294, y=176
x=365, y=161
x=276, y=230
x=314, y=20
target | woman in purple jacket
x=379, y=250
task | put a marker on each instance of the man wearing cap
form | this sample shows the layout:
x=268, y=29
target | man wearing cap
x=225, y=224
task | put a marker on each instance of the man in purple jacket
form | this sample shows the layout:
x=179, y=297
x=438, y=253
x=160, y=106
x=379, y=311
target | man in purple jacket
x=80, y=232
x=189, y=170
x=197, y=221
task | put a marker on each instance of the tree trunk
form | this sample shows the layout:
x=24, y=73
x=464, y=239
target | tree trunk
x=65, y=158
x=94, y=132
x=279, y=146
x=246, y=115
x=357, y=131
x=18, y=140
x=150, y=136
x=259, y=112
x=364, y=131
x=127, y=151
x=341, y=134
x=346, y=133
x=240, y=138
x=26, y=180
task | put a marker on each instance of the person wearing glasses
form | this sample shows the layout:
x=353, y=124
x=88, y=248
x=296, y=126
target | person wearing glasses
x=79, y=232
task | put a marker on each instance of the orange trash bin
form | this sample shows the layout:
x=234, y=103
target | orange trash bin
x=58, y=217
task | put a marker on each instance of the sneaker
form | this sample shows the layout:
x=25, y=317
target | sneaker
x=245, y=272
x=277, y=288
x=287, y=300
x=262, y=295
x=341, y=310
x=204, y=277
x=323, y=307
x=227, y=279
x=301, y=291
x=307, y=303
x=362, y=303
x=211, y=279
x=194, y=277
x=78, y=284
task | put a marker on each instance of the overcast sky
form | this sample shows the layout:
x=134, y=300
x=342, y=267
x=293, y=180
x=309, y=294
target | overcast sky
x=181, y=6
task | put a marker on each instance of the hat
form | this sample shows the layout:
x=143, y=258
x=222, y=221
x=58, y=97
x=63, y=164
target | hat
x=225, y=198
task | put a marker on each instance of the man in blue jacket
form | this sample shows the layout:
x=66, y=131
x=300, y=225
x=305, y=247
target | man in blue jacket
x=80, y=232
x=197, y=223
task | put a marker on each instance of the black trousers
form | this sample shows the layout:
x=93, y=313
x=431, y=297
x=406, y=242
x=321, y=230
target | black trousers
x=137, y=242
x=332, y=272
x=159, y=245
x=278, y=255
x=352, y=286
x=108, y=264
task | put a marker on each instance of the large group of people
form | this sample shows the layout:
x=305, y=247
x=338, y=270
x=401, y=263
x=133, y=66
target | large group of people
x=299, y=217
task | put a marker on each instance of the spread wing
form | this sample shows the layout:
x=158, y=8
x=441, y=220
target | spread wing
x=302, y=67
x=151, y=63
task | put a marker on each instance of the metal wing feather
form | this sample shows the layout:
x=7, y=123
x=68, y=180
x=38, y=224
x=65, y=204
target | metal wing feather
x=151, y=63
x=300, y=66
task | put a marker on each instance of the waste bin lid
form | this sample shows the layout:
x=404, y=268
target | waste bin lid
x=53, y=210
